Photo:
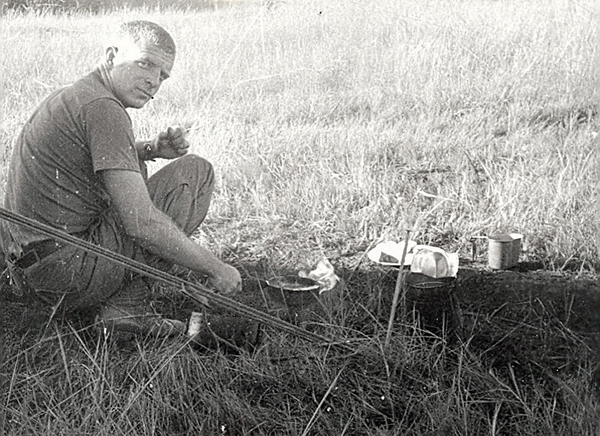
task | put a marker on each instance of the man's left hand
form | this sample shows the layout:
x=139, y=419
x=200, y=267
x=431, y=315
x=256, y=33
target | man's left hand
x=171, y=143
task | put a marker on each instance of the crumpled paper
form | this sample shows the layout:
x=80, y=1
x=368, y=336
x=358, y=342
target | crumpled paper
x=390, y=253
x=323, y=274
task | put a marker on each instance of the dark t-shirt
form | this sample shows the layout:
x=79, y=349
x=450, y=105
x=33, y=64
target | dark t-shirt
x=53, y=175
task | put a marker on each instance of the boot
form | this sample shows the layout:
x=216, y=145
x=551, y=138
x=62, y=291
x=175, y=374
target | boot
x=127, y=314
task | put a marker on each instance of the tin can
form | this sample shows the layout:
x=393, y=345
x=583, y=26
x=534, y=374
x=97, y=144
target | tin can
x=432, y=303
x=500, y=251
x=231, y=333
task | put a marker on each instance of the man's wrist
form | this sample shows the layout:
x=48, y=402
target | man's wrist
x=148, y=151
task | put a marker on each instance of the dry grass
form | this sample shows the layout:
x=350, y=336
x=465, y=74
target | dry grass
x=467, y=119
x=514, y=372
x=333, y=125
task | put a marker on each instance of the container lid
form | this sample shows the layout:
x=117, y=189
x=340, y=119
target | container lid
x=422, y=281
x=501, y=237
x=293, y=283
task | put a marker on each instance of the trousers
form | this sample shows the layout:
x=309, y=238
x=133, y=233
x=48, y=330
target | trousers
x=79, y=280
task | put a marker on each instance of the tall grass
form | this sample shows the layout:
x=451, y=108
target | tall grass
x=519, y=373
x=332, y=125
x=468, y=118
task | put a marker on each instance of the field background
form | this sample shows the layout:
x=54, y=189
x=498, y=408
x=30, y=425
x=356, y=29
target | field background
x=333, y=125
x=354, y=121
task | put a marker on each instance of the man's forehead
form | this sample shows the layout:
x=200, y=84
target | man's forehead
x=143, y=46
x=149, y=48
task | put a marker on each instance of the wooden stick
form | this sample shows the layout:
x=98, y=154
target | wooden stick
x=399, y=283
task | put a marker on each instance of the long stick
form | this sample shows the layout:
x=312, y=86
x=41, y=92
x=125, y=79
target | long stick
x=399, y=283
x=189, y=289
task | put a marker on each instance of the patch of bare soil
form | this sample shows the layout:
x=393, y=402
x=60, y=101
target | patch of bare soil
x=544, y=320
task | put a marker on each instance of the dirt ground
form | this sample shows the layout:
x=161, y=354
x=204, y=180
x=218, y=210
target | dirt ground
x=566, y=298
x=510, y=313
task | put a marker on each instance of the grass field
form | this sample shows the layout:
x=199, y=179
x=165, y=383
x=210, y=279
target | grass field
x=333, y=125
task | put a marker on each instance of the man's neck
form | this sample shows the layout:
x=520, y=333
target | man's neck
x=102, y=69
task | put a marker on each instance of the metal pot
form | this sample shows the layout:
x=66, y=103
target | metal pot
x=297, y=296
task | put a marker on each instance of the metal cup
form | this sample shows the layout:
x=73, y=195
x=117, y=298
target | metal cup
x=500, y=251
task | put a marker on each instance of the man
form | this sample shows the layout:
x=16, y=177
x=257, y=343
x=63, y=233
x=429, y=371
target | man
x=77, y=167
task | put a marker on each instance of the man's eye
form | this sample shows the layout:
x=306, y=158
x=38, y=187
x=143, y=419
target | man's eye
x=143, y=64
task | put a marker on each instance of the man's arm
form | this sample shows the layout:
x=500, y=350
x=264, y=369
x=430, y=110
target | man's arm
x=156, y=232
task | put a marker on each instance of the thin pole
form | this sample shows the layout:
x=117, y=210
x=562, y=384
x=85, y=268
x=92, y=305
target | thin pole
x=399, y=285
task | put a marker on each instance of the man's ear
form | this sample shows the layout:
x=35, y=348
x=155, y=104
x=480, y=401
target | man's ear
x=110, y=54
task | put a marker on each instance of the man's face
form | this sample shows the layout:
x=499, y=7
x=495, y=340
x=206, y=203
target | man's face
x=136, y=71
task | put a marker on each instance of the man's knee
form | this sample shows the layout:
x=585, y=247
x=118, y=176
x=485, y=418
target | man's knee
x=193, y=164
x=191, y=170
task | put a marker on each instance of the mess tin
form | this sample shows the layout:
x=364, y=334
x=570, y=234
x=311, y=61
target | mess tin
x=504, y=250
x=293, y=283
x=295, y=295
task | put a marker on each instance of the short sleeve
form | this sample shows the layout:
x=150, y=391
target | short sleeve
x=109, y=136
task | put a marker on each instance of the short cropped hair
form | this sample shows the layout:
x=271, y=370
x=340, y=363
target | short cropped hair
x=149, y=31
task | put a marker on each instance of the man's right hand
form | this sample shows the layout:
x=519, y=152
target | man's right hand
x=227, y=281
x=171, y=143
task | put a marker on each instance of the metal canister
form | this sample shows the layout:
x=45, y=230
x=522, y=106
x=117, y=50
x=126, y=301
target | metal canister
x=432, y=301
x=500, y=251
